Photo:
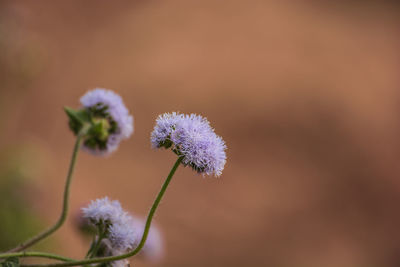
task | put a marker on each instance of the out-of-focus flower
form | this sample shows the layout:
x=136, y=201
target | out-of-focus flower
x=103, y=210
x=153, y=249
x=191, y=137
x=116, y=223
x=120, y=263
x=123, y=235
x=106, y=118
x=122, y=231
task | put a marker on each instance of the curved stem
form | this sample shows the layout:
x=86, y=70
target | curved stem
x=35, y=254
x=64, y=211
x=154, y=207
x=142, y=241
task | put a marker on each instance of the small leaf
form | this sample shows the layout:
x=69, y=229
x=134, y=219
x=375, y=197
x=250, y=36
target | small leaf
x=80, y=115
x=77, y=119
x=11, y=262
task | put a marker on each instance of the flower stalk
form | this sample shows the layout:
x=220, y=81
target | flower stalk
x=34, y=254
x=64, y=211
x=142, y=241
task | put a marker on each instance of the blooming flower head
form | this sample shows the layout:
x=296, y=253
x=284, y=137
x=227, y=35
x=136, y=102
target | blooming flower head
x=116, y=223
x=123, y=235
x=121, y=231
x=191, y=137
x=103, y=210
x=153, y=249
x=109, y=120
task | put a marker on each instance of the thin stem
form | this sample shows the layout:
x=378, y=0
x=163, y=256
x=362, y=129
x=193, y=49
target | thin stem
x=98, y=244
x=142, y=241
x=91, y=246
x=154, y=207
x=96, y=248
x=64, y=211
x=35, y=254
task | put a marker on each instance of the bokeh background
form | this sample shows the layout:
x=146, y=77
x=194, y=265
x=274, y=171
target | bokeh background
x=306, y=95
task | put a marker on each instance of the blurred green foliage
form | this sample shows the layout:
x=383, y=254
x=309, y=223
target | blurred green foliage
x=17, y=221
x=19, y=63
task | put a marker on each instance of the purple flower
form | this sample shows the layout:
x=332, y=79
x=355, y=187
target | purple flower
x=165, y=124
x=120, y=263
x=191, y=137
x=153, y=249
x=103, y=210
x=106, y=107
x=120, y=231
x=123, y=231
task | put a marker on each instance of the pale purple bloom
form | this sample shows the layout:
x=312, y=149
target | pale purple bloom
x=124, y=231
x=114, y=106
x=120, y=263
x=121, y=235
x=153, y=249
x=192, y=137
x=103, y=210
x=118, y=243
x=165, y=124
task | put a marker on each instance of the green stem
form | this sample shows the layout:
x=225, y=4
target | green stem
x=93, y=243
x=142, y=241
x=96, y=248
x=35, y=254
x=64, y=212
x=97, y=245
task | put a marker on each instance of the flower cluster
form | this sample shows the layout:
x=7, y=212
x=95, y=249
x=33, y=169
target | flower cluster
x=123, y=231
x=100, y=125
x=117, y=223
x=191, y=137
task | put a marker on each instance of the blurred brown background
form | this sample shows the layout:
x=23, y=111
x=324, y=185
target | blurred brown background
x=305, y=94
